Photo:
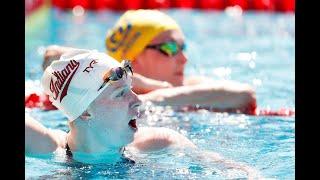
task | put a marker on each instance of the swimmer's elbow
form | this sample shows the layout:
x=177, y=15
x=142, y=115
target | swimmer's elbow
x=249, y=103
x=51, y=54
x=247, y=93
x=251, y=94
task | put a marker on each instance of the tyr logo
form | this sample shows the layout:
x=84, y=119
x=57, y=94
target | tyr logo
x=90, y=67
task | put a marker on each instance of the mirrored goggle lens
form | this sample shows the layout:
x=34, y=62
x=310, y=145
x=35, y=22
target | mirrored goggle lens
x=171, y=48
x=119, y=72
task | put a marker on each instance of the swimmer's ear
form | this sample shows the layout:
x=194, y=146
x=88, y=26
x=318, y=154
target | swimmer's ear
x=135, y=62
x=137, y=65
x=85, y=116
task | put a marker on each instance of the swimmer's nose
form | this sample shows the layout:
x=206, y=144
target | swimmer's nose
x=182, y=58
x=135, y=102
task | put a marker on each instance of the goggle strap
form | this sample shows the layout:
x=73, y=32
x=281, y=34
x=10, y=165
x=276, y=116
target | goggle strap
x=104, y=83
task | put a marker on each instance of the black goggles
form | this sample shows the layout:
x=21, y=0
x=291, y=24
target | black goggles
x=170, y=48
x=115, y=74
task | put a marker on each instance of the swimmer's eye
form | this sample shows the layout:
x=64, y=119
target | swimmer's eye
x=170, y=48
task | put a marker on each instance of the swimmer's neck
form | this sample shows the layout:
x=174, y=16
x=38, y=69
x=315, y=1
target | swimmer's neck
x=108, y=157
x=86, y=148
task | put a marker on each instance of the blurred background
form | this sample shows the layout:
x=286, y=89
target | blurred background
x=261, y=5
x=251, y=41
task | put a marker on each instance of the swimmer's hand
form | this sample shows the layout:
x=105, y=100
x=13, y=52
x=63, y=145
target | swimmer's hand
x=142, y=84
x=52, y=53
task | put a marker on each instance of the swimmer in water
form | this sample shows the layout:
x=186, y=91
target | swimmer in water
x=155, y=44
x=94, y=91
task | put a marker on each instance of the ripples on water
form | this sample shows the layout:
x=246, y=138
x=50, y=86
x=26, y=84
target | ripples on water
x=254, y=48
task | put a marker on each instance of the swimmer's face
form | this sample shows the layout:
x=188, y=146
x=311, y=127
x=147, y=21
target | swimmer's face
x=154, y=64
x=114, y=113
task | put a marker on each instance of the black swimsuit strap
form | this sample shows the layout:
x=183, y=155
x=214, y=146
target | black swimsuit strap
x=123, y=157
x=68, y=151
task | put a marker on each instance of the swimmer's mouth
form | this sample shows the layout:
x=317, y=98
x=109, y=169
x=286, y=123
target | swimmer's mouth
x=132, y=124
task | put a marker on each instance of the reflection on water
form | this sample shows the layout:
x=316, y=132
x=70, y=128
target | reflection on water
x=254, y=48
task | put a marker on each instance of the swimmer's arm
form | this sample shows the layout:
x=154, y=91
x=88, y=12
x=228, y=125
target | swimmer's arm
x=39, y=139
x=157, y=138
x=209, y=157
x=219, y=96
x=142, y=84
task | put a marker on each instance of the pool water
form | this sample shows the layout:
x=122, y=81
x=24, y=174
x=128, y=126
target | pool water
x=251, y=47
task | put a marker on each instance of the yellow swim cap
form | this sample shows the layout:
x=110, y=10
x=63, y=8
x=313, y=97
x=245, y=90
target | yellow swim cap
x=134, y=30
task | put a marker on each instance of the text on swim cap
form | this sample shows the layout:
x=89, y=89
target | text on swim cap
x=90, y=67
x=122, y=38
x=63, y=77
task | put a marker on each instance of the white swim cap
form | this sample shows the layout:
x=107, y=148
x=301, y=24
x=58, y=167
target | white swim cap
x=72, y=82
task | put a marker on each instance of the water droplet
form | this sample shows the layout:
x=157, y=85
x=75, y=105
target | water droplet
x=257, y=82
x=252, y=64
